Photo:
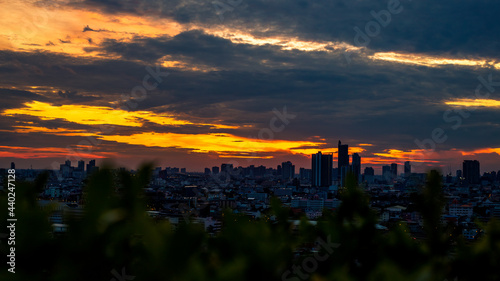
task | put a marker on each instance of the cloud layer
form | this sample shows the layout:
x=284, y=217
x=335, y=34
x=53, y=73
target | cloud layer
x=65, y=76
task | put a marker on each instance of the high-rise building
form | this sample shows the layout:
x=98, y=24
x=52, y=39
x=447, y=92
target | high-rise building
x=65, y=169
x=287, y=170
x=343, y=162
x=356, y=165
x=471, y=171
x=407, y=169
x=215, y=170
x=322, y=169
x=81, y=165
x=394, y=170
x=369, y=175
x=343, y=155
x=369, y=171
x=226, y=168
x=207, y=171
x=12, y=165
x=90, y=166
x=305, y=174
x=386, y=172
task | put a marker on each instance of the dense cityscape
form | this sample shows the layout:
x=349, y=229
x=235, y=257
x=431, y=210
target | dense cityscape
x=177, y=195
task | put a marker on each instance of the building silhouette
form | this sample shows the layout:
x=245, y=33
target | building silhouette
x=470, y=171
x=305, y=174
x=322, y=169
x=215, y=170
x=90, y=166
x=287, y=170
x=343, y=162
x=407, y=169
x=356, y=165
x=386, y=172
x=394, y=170
x=226, y=168
x=81, y=165
x=369, y=171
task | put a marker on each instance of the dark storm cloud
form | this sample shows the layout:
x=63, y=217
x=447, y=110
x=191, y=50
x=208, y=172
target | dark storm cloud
x=195, y=47
x=69, y=73
x=465, y=27
x=13, y=98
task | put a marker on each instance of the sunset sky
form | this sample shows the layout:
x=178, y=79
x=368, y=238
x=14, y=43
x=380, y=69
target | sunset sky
x=87, y=79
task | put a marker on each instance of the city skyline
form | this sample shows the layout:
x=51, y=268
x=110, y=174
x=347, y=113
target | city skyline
x=188, y=84
x=406, y=168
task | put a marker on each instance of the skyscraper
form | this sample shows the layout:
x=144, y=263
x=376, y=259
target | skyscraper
x=471, y=171
x=356, y=165
x=343, y=162
x=369, y=171
x=407, y=169
x=226, y=168
x=386, y=172
x=343, y=155
x=287, y=170
x=305, y=174
x=81, y=165
x=394, y=170
x=322, y=169
x=215, y=170
x=90, y=166
x=369, y=175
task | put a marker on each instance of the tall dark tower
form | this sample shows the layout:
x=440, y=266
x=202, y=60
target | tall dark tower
x=471, y=171
x=356, y=165
x=81, y=165
x=407, y=169
x=343, y=155
x=343, y=162
x=91, y=166
x=287, y=170
x=394, y=170
x=322, y=169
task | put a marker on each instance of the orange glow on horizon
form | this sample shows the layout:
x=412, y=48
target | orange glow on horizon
x=481, y=151
x=46, y=152
x=414, y=155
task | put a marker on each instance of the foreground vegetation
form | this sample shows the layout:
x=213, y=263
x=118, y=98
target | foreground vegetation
x=116, y=240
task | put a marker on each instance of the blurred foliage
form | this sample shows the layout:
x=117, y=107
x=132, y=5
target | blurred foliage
x=116, y=240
